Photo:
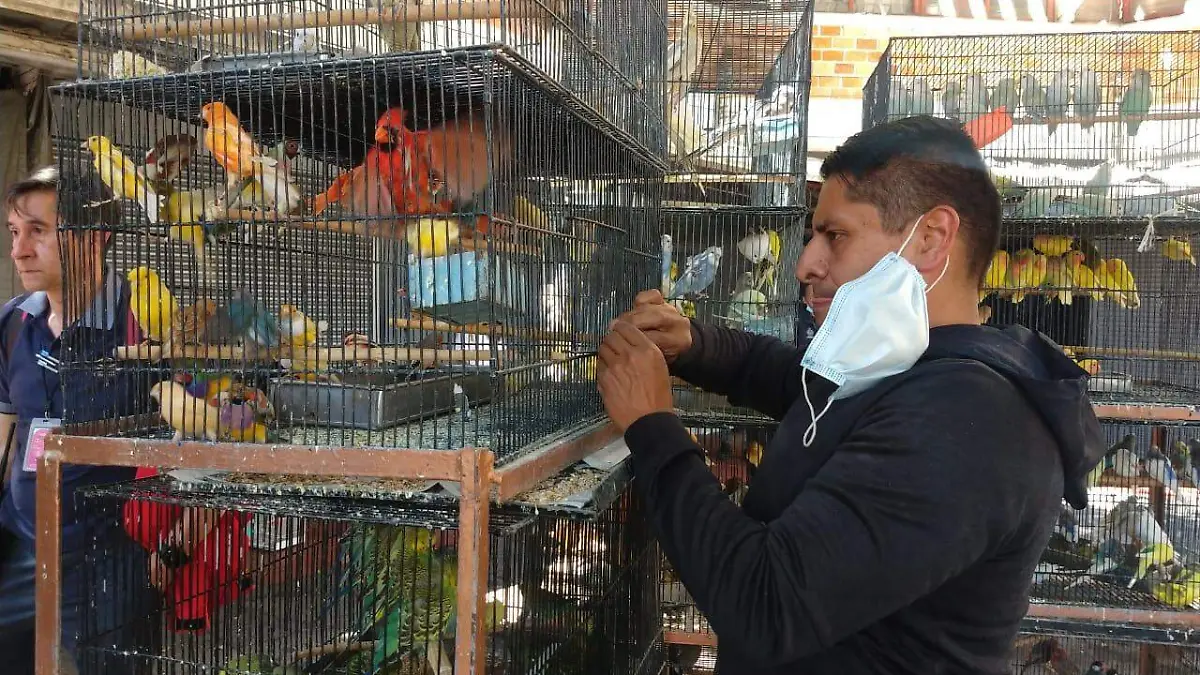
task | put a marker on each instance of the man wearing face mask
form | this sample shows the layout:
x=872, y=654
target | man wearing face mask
x=895, y=521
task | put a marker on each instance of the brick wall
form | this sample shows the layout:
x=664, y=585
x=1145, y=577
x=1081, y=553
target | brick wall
x=843, y=57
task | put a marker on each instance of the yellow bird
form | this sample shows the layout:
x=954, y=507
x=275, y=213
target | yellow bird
x=1092, y=366
x=1052, y=244
x=1026, y=272
x=431, y=237
x=1084, y=279
x=1120, y=283
x=527, y=213
x=1059, y=279
x=1174, y=248
x=997, y=275
x=754, y=453
x=152, y=303
x=121, y=175
x=298, y=329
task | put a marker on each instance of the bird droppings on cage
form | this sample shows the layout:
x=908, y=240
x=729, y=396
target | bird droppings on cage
x=557, y=489
x=432, y=271
x=375, y=590
x=1080, y=125
x=737, y=85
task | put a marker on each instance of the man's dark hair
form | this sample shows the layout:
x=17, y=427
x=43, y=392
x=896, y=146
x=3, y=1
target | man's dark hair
x=91, y=203
x=44, y=179
x=907, y=167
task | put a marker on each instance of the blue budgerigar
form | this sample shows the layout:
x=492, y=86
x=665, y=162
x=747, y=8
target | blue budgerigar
x=698, y=274
x=1058, y=99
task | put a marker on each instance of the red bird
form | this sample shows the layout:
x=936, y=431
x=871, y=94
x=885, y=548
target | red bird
x=397, y=177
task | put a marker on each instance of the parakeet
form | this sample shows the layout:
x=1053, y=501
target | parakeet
x=899, y=100
x=431, y=237
x=1006, y=96
x=952, y=100
x=699, y=272
x=760, y=246
x=152, y=304
x=189, y=416
x=1033, y=98
x=976, y=101
x=164, y=162
x=1177, y=248
x=1058, y=99
x=1137, y=101
x=1158, y=467
x=1123, y=458
x=1088, y=98
x=921, y=98
x=997, y=275
x=666, y=278
x=256, y=322
x=121, y=176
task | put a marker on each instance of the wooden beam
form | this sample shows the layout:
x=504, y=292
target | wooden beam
x=62, y=11
x=55, y=57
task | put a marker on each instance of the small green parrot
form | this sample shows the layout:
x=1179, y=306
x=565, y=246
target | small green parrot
x=1137, y=101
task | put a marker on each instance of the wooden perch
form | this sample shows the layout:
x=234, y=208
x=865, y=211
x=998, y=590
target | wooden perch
x=1117, y=352
x=1152, y=117
x=421, y=322
x=479, y=10
x=305, y=355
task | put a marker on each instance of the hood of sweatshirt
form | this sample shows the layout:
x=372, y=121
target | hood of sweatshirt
x=1054, y=384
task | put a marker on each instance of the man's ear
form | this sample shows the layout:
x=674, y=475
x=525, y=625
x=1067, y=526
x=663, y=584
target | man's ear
x=940, y=229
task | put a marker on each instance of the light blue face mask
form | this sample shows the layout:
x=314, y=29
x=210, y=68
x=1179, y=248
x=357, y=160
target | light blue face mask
x=877, y=326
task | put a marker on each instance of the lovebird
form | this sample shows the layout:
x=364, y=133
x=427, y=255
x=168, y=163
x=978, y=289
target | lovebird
x=1058, y=99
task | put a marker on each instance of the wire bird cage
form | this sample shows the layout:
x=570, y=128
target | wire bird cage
x=733, y=451
x=733, y=267
x=1102, y=124
x=318, y=585
x=736, y=84
x=409, y=251
x=1038, y=650
x=604, y=52
x=1121, y=296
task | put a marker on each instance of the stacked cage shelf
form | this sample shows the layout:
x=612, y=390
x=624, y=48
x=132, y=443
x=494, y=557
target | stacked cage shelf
x=734, y=198
x=370, y=252
x=1091, y=140
x=338, y=584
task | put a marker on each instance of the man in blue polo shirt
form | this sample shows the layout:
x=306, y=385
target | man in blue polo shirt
x=37, y=333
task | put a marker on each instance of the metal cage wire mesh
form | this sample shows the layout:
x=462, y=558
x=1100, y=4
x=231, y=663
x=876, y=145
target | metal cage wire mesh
x=340, y=585
x=736, y=85
x=1103, y=124
x=604, y=52
x=467, y=315
x=1115, y=293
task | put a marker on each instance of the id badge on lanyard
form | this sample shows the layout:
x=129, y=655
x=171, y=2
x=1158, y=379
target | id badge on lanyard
x=35, y=442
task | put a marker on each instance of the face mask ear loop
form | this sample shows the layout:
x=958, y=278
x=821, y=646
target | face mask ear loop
x=810, y=434
x=908, y=239
x=939, y=277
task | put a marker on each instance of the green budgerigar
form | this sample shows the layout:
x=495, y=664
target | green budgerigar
x=1136, y=102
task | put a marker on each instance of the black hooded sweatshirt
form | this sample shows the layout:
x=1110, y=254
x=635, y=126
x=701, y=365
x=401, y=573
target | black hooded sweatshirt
x=904, y=539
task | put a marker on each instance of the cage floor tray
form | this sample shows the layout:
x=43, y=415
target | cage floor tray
x=377, y=400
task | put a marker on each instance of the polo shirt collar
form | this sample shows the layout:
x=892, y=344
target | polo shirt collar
x=103, y=312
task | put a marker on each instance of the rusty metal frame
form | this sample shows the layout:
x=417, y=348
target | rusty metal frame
x=472, y=468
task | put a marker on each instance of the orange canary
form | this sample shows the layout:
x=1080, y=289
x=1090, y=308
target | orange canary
x=224, y=137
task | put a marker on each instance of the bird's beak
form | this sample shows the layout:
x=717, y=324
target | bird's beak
x=382, y=135
x=83, y=145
